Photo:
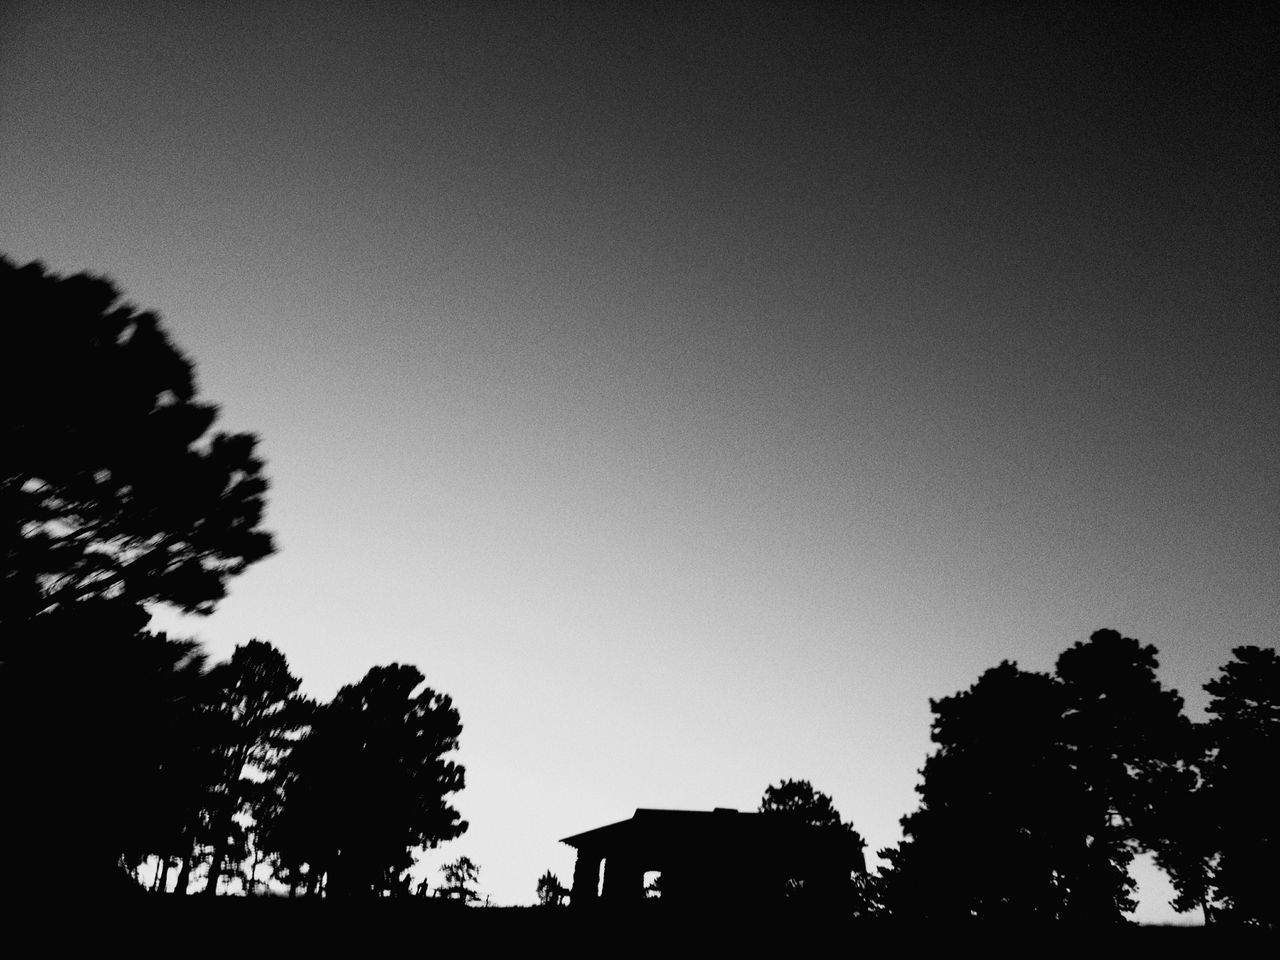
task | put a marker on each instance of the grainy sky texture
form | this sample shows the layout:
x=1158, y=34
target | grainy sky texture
x=692, y=391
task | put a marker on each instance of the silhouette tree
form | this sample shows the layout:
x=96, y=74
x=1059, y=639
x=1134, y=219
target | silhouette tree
x=460, y=877
x=1187, y=839
x=369, y=785
x=111, y=484
x=1222, y=845
x=1006, y=831
x=98, y=711
x=1127, y=735
x=113, y=494
x=551, y=892
x=297, y=828
x=144, y=700
x=797, y=799
x=258, y=715
x=153, y=741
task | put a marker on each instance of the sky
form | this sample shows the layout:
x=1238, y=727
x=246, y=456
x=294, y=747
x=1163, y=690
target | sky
x=693, y=391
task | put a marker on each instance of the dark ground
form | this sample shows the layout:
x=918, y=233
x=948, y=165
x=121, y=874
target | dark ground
x=239, y=927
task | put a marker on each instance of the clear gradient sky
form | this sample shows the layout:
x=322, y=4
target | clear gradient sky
x=692, y=391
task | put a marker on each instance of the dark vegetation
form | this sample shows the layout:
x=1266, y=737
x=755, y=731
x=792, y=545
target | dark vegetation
x=125, y=747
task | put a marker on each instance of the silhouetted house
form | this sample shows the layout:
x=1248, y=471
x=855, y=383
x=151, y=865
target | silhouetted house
x=721, y=856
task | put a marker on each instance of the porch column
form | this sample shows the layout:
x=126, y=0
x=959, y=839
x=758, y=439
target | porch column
x=586, y=879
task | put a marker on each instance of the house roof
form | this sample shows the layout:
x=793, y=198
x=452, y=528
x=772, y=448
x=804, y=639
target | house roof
x=652, y=831
x=648, y=822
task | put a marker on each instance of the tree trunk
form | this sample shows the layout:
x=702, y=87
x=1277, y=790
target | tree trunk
x=253, y=872
x=215, y=871
x=222, y=829
x=184, y=877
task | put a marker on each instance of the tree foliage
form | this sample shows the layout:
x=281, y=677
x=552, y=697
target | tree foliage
x=111, y=483
x=798, y=800
x=1043, y=788
x=460, y=878
x=370, y=784
x=255, y=715
x=1243, y=739
x=116, y=493
x=551, y=892
x=1006, y=831
x=99, y=714
x=1221, y=838
x=1127, y=734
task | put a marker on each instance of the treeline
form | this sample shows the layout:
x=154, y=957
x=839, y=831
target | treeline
x=1043, y=787
x=121, y=745
x=150, y=760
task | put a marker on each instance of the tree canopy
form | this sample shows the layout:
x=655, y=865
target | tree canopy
x=1126, y=733
x=798, y=798
x=1006, y=831
x=371, y=782
x=114, y=493
x=551, y=892
x=112, y=484
x=1044, y=787
x=1221, y=841
x=252, y=702
x=460, y=878
x=117, y=493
